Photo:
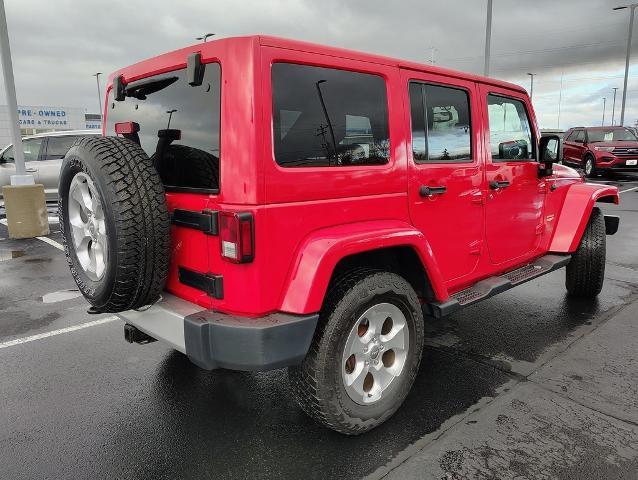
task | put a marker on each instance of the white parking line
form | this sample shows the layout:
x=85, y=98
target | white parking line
x=40, y=336
x=53, y=243
x=628, y=190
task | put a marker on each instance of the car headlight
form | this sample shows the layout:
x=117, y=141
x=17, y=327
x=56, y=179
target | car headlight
x=604, y=149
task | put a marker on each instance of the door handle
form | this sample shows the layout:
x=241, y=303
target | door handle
x=426, y=191
x=496, y=184
x=31, y=170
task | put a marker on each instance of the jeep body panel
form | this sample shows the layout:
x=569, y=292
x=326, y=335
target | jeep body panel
x=574, y=214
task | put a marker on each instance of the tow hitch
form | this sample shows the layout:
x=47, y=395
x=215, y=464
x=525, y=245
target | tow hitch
x=133, y=335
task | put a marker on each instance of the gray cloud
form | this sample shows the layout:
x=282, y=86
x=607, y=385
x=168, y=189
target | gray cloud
x=57, y=45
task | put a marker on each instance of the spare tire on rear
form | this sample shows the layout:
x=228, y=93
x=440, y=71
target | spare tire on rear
x=115, y=223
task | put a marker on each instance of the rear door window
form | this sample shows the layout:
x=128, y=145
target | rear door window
x=440, y=124
x=58, y=146
x=323, y=117
x=179, y=126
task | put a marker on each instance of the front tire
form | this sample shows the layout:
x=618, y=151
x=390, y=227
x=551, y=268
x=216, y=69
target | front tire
x=585, y=272
x=590, y=167
x=365, y=354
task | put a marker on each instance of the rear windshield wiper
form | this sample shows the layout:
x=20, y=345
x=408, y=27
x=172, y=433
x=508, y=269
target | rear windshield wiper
x=140, y=89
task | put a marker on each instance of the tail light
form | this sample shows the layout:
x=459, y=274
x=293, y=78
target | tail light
x=236, y=235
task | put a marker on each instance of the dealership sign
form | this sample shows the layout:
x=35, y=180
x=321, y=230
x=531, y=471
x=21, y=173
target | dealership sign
x=42, y=117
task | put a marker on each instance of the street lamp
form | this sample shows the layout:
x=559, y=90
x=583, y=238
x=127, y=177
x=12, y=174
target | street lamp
x=632, y=8
x=488, y=38
x=205, y=37
x=531, y=85
x=604, y=103
x=99, y=96
x=613, y=108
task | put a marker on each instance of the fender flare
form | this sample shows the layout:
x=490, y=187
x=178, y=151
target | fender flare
x=318, y=254
x=575, y=212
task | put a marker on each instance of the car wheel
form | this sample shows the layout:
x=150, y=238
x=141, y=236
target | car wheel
x=590, y=167
x=585, y=272
x=114, y=222
x=365, y=354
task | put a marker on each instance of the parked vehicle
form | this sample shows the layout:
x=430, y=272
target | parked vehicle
x=601, y=150
x=262, y=203
x=43, y=154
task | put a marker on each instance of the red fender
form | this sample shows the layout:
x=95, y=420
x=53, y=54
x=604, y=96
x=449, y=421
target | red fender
x=574, y=215
x=320, y=252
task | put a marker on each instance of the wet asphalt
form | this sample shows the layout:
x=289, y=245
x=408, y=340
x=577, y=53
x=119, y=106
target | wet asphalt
x=85, y=404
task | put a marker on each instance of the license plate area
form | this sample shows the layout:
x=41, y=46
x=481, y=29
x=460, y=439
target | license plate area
x=631, y=163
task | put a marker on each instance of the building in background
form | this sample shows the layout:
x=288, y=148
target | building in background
x=40, y=119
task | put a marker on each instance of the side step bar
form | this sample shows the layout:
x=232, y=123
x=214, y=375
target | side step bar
x=494, y=285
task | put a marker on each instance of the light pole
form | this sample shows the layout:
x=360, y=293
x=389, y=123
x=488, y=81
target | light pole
x=604, y=103
x=432, y=50
x=488, y=38
x=99, y=95
x=613, y=108
x=531, y=85
x=632, y=8
x=205, y=37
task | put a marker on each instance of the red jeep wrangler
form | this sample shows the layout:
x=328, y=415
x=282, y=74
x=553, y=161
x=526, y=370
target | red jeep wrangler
x=260, y=203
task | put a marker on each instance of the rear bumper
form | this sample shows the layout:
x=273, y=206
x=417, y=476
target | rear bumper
x=216, y=340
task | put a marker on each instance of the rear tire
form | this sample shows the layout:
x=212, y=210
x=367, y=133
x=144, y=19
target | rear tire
x=131, y=227
x=319, y=384
x=585, y=272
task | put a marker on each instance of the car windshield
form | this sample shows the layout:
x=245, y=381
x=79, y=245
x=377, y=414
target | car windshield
x=611, y=135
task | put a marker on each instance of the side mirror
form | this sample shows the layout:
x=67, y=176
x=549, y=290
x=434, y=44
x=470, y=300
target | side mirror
x=550, y=151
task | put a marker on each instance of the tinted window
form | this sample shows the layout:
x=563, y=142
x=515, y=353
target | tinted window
x=58, y=146
x=580, y=136
x=446, y=113
x=610, y=135
x=325, y=117
x=510, y=131
x=186, y=118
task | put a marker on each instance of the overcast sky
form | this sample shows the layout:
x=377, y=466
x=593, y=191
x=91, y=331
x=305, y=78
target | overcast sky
x=58, y=44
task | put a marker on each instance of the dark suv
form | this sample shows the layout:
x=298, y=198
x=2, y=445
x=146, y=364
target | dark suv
x=599, y=150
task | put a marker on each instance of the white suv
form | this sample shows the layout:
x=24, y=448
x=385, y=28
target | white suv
x=43, y=154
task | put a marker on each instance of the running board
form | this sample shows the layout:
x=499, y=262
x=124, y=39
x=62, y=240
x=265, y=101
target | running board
x=494, y=285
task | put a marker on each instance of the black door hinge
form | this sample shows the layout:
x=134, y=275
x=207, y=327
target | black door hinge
x=210, y=283
x=206, y=220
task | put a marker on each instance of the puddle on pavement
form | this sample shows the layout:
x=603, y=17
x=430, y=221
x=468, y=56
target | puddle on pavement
x=61, y=296
x=9, y=254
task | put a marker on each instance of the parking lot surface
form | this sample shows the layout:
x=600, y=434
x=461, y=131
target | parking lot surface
x=528, y=384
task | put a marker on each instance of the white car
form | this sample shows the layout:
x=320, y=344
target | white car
x=43, y=154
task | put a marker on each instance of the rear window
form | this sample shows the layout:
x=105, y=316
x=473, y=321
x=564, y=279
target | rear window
x=58, y=146
x=179, y=126
x=324, y=117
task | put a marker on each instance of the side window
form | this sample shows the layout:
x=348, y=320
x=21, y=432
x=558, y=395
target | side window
x=440, y=124
x=7, y=156
x=569, y=136
x=324, y=117
x=31, y=148
x=58, y=146
x=579, y=137
x=510, y=131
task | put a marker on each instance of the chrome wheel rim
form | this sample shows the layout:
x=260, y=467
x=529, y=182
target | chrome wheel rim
x=88, y=229
x=375, y=353
x=588, y=166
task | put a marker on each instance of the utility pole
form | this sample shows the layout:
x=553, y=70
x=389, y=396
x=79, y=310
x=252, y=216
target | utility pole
x=531, y=85
x=604, y=103
x=99, y=95
x=613, y=108
x=488, y=38
x=632, y=8
x=560, y=96
x=20, y=178
x=432, y=50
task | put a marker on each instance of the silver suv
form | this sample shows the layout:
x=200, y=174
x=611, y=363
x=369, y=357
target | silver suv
x=43, y=154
